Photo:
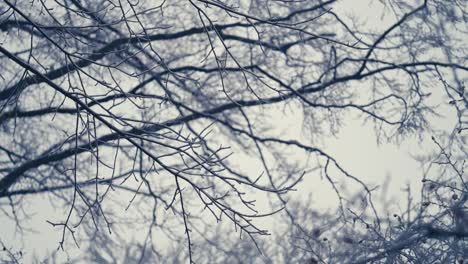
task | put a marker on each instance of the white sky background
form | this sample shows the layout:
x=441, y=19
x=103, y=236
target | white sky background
x=355, y=147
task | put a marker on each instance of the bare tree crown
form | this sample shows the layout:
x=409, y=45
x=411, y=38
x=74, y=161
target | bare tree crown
x=164, y=116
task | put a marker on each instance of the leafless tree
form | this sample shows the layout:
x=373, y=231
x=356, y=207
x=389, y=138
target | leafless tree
x=160, y=116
